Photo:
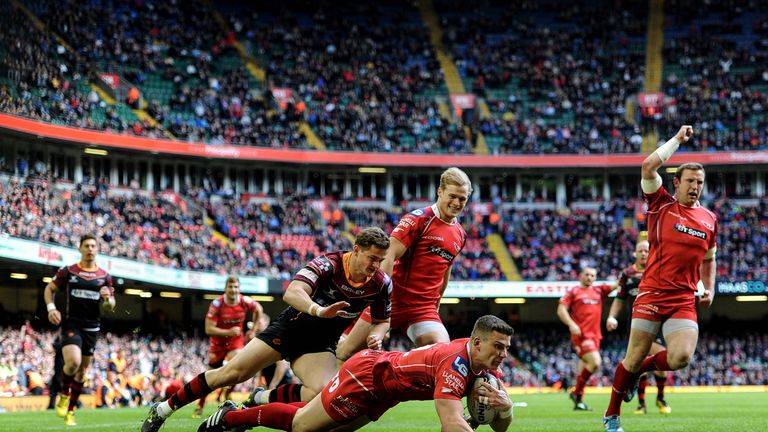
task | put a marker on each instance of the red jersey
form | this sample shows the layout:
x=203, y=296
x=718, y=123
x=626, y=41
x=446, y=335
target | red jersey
x=432, y=245
x=439, y=371
x=585, y=305
x=227, y=316
x=679, y=237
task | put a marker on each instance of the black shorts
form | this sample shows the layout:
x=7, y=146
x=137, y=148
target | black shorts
x=293, y=338
x=86, y=340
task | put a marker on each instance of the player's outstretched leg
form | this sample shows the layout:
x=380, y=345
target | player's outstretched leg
x=153, y=422
x=215, y=422
x=612, y=424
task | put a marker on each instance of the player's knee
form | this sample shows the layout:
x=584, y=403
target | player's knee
x=679, y=360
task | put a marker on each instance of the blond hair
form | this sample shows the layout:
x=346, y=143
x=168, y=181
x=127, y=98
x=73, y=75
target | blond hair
x=455, y=176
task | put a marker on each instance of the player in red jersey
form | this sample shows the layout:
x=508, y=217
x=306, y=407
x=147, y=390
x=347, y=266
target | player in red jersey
x=629, y=283
x=371, y=382
x=88, y=290
x=580, y=309
x=425, y=243
x=682, y=237
x=224, y=323
x=324, y=297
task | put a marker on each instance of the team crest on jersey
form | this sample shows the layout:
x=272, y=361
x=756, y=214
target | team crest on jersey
x=73, y=279
x=690, y=231
x=461, y=366
x=216, y=303
x=707, y=225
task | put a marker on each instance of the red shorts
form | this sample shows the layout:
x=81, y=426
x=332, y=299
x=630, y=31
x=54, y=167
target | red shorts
x=218, y=352
x=403, y=318
x=351, y=393
x=654, y=305
x=585, y=345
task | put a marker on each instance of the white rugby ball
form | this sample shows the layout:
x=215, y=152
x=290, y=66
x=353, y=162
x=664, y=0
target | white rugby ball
x=480, y=412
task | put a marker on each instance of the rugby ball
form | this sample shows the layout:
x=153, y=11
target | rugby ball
x=480, y=412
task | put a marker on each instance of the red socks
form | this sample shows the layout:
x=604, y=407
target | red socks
x=274, y=415
x=581, y=382
x=622, y=380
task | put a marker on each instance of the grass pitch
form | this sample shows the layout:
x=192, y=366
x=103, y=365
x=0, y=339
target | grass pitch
x=711, y=412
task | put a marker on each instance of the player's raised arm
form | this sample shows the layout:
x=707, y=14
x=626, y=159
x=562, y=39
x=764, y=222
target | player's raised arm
x=651, y=179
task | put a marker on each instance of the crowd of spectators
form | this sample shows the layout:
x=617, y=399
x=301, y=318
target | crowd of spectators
x=365, y=76
x=540, y=357
x=543, y=357
x=715, y=74
x=275, y=236
x=556, y=77
x=360, y=68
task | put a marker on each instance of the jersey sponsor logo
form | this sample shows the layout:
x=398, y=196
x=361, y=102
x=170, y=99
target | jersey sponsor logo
x=331, y=293
x=456, y=246
x=453, y=382
x=349, y=289
x=590, y=301
x=438, y=238
x=690, y=231
x=307, y=273
x=442, y=253
x=73, y=279
x=85, y=294
x=460, y=365
x=417, y=212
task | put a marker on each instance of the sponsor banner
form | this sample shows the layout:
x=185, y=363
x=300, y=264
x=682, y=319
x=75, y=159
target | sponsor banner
x=282, y=96
x=55, y=255
x=81, y=137
x=112, y=80
x=742, y=287
x=530, y=289
x=463, y=100
x=653, y=100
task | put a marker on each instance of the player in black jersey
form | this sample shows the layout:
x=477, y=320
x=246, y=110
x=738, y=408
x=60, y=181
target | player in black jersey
x=628, y=286
x=324, y=297
x=88, y=290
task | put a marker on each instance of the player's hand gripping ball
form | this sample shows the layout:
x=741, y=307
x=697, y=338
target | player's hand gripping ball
x=477, y=405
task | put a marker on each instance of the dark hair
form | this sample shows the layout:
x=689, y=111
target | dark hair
x=487, y=324
x=693, y=166
x=86, y=237
x=372, y=236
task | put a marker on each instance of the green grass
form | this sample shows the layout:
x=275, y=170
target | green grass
x=710, y=412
